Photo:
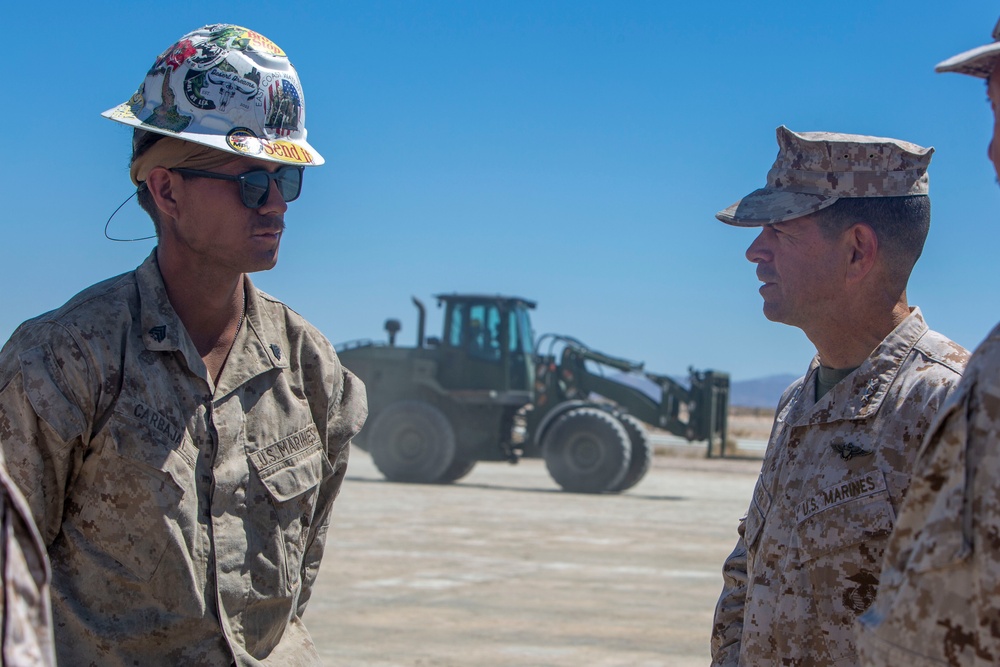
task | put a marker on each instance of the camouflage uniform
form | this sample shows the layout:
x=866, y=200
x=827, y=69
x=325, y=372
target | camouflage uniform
x=940, y=598
x=185, y=522
x=24, y=597
x=808, y=556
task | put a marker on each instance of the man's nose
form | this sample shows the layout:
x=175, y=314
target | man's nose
x=758, y=251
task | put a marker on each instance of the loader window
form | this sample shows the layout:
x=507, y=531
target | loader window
x=484, y=331
x=513, y=340
x=453, y=336
x=476, y=328
x=520, y=332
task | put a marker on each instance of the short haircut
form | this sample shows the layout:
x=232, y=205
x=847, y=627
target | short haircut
x=142, y=141
x=900, y=224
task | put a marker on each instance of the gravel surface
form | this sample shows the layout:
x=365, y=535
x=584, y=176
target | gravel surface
x=503, y=568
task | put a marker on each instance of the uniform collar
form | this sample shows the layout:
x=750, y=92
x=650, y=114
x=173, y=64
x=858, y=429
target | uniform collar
x=860, y=394
x=162, y=330
x=259, y=346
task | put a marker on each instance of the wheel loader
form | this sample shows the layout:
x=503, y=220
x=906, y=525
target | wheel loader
x=485, y=391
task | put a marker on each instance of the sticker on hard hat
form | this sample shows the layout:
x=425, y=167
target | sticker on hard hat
x=217, y=87
x=129, y=110
x=287, y=152
x=175, y=56
x=136, y=102
x=263, y=44
x=236, y=37
x=123, y=112
x=243, y=139
x=282, y=106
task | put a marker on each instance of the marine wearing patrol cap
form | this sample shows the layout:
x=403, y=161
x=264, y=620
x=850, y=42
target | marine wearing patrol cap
x=815, y=169
x=841, y=222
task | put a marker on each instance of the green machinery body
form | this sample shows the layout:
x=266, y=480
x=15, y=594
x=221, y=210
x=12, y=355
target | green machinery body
x=484, y=391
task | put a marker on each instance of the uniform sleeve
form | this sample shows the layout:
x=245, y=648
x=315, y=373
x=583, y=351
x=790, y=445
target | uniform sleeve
x=42, y=426
x=727, y=628
x=27, y=618
x=346, y=417
x=984, y=471
x=937, y=590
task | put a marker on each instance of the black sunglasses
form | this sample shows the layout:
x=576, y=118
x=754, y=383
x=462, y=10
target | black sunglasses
x=256, y=185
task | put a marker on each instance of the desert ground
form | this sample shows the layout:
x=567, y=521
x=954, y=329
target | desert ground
x=503, y=568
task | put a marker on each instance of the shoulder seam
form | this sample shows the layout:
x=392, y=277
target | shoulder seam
x=934, y=356
x=51, y=316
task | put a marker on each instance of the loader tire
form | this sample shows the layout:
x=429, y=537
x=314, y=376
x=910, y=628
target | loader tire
x=642, y=453
x=458, y=469
x=587, y=450
x=412, y=441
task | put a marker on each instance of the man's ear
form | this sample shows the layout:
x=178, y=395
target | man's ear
x=161, y=185
x=864, y=248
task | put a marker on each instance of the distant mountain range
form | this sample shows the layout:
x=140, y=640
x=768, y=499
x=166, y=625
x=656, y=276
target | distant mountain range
x=760, y=392
x=757, y=393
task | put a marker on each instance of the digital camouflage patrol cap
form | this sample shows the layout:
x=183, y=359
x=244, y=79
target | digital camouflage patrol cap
x=815, y=169
x=977, y=62
x=228, y=88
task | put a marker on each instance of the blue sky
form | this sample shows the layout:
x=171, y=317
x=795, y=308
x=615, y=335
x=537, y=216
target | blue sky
x=571, y=152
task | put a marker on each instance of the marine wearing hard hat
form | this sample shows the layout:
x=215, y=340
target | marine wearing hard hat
x=180, y=435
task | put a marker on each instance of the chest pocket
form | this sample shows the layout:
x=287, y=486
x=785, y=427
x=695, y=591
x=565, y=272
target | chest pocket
x=840, y=550
x=865, y=520
x=128, y=495
x=290, y=472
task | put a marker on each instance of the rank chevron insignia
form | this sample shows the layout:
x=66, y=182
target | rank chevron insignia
x=849, y=450
x=158, y=333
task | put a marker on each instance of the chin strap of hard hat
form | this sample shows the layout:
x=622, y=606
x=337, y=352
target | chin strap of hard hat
x=108, y=223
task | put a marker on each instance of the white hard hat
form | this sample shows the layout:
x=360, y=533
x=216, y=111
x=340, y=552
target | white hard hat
x=225, y=87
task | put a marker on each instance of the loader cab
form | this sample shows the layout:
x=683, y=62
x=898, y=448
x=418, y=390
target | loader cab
x=486, y=343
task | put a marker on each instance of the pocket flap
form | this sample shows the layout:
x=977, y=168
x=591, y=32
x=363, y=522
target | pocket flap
x=867, y=518
x=293, y=465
